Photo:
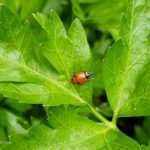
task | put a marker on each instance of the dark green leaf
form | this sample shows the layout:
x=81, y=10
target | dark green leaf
x=72, y=132
x=22, y=8
x=105, y=13
x=11, y=123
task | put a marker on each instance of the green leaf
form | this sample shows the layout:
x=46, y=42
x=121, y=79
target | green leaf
x=27, y=75
x=19, y=107
x=126, y=67
x=88, y=1
x=56, y=5
x=71, y=132
x=68, y=53
x=143, y=147
x=105, y=109
x=3, y=136
x=104, y=13
x=12, y=123
x=142, y=133
x=99, y=50
x=22, y=8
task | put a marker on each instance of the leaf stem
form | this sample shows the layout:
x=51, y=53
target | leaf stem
x=101, y=117
x=114, y=119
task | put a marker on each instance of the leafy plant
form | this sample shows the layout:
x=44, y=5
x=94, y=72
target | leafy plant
x=40, y=73
x=108, y=19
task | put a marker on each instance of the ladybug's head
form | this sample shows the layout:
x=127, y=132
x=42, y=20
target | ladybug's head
x=88, y=75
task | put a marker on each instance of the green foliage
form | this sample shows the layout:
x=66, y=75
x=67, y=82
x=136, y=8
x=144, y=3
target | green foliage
x=22, y=7
x=71, y=132
x=28, y=76
x=39, y=106
x=126, y=73
x=142, y=133
x=67, y=52
x=104, y=13
x=99, y=49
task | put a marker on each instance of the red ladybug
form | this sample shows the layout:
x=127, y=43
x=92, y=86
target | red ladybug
x=81, y=77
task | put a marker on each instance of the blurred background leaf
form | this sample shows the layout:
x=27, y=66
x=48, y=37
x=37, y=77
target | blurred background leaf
x=103, y=13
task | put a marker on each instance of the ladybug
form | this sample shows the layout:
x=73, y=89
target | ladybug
x=81, y=77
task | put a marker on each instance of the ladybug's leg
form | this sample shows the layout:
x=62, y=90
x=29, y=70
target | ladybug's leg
x=92, y=76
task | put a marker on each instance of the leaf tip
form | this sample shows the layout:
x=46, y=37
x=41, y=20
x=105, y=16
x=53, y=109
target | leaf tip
x=77, y=20
x=53, y=14
x=35, y=14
